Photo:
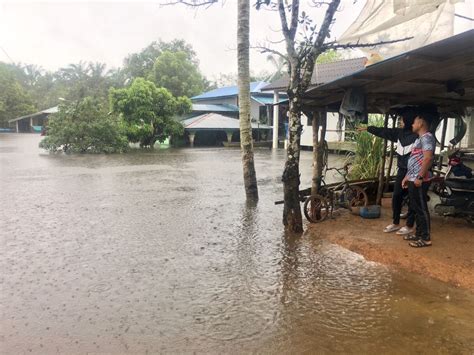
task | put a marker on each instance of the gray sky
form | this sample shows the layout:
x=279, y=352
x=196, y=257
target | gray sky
x=53, y=34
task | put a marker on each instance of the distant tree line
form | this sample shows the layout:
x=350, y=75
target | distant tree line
x=27, y=88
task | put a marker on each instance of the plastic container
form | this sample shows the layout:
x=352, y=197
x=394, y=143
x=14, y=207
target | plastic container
x=370, y=212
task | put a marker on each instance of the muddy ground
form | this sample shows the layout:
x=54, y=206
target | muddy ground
x=450, y=259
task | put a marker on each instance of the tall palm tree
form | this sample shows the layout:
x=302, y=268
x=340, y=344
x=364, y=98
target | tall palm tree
x=243, y=59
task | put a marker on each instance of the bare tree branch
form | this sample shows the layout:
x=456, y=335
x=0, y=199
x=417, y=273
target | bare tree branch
x=295, y=11
x=264, y=49
x=325, y=28
x=192, y=3
x=284, y=22
x=334, y=45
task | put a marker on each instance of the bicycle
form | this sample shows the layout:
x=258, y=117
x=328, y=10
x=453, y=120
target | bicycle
x=318, y=207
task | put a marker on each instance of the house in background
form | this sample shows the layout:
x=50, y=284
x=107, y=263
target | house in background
x=215, y=114
x=216, y=129
x=32, y=123
x=260, y=102
x=323, y=73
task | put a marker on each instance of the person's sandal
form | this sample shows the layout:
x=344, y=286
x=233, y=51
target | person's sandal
x=420, y=243
x=391, y=228
x=410, y=237
x=405, y=230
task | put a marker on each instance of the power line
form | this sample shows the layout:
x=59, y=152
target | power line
x=464, y=17
x=4, y=51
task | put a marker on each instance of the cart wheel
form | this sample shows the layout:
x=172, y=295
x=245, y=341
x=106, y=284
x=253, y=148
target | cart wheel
x=357, y=197
x=316, y=209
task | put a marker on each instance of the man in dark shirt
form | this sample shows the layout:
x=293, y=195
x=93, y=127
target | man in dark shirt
x=419, y=175
x=404, y=137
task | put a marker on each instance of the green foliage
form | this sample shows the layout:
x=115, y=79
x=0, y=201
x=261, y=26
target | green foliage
x=329, y=57
x=14, y=99
x=148, y=111
x=369, y=152
x=140, y=65
x=85, y=127
x=177, y=73
x=28, y=88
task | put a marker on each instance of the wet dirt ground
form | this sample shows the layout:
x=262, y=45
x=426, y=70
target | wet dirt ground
x=450, y=259
x=158, y=252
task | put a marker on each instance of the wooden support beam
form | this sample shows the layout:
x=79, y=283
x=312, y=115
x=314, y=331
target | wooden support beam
x=443, y=140
x=382, y=167
x=390, y=161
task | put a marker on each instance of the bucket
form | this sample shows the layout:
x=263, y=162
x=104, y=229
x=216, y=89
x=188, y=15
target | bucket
x=372, y=211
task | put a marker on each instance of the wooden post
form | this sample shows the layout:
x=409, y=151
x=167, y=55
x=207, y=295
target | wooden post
x=443, y=140
x=390, y=160
x=382, y=166
x=319, y=119
x=315, y=126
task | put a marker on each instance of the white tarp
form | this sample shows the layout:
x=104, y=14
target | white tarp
x=426, y=21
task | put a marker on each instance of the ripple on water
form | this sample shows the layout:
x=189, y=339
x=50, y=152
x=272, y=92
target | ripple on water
x=99, y=287
x=237, y=324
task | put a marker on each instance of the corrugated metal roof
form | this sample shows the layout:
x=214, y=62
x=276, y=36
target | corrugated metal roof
x=324, y=73
x=268, y=100
x=215, y=121
x=227, y=91
x=420, y=76
x=47, y=111
x=215, y=108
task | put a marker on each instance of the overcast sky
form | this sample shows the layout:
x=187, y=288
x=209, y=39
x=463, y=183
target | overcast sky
x=53, y=34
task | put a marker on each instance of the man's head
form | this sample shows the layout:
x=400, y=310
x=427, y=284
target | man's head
x=425, y=116
x=407, y=114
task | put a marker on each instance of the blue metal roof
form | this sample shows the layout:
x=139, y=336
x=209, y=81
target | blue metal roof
x=227, y=91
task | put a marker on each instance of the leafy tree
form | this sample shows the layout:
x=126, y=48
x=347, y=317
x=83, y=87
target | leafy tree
x=329, y=56
x=85, y=127
x=177, y=73
x=148, y=111
x=77, y=81
x=305, y=41
x=140, y=65
x=280, y=67
x=14, y=100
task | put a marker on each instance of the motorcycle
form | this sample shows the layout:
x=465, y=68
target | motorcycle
x=456, y=189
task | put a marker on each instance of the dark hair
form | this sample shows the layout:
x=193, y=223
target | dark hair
x=408, y=115
x=428, y=113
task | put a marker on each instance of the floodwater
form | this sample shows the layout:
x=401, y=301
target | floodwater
x=158, y=252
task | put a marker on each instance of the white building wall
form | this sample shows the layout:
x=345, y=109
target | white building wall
x=331, y=130
x=254, y=110
x=466, y=142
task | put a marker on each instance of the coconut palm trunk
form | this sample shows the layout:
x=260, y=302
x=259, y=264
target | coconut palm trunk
x=243, y=58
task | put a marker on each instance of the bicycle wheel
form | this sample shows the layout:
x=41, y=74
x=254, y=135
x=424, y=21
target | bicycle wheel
x=355, y=196
x=316, y=209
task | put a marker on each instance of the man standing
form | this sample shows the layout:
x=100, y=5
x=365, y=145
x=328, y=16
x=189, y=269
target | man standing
x=419, y=175
x=405, y=138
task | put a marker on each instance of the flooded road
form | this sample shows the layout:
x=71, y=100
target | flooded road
x=158, y=252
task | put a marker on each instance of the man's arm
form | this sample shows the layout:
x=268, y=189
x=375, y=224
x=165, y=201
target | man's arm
x=426, y=164
x=387, y=133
